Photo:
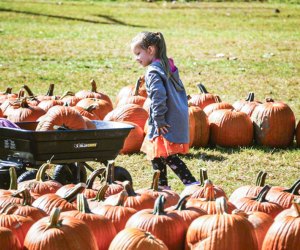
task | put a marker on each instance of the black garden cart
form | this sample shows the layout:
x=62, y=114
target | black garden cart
x=69, y=149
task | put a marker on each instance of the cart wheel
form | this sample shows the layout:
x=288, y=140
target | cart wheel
x=66, y=174
x=121, y=174
x=30, y=175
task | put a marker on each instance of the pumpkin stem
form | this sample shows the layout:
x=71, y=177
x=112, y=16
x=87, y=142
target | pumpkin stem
x=28, y=90
x=269, y=99
x=159, y=205
x=296, y=189
x=13, y=185
x=209, y=192
x=202, y=88
x=218, y=99
x=129, y=189
x=181, y=205
x=8, y=91
x=110, y=173
x=292, y=188
x=260, y=179
x=296, y=206
x=90, y=181
x=67, y=93
x=155, y=179
x=82, y=205
x=54, y=221
x=21, y=93
x=40, y=175
x=94, y=86
x=27, y=199
x=221, y=205
x=50, y=90
x=205, y=176
x=121, y=199
x=91, y=107
x=72, y=193
x=24, y=103
x=250, y=97
x=137, y=86
x=101, y=193
x=261, y=197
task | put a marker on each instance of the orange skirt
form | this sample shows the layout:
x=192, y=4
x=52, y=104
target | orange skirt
x=161, y=147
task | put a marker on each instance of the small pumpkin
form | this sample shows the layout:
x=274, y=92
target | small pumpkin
x=56, y=233
x=136, y=239
x=203, y=99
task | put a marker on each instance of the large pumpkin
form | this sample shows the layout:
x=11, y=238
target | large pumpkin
x=134, y=140
x=274, y=124
x=229, y=128
x=221, y=231
x=130, y=113
x=61, y=116
x=199, y=127
x=284, y=232
x=25, y=112
x=54, y=233
x=166, y=226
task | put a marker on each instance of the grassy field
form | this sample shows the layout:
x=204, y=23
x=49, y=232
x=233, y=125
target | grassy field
x=69, y=43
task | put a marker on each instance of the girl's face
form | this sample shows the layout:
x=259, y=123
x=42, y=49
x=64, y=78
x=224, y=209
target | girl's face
x=144, y=56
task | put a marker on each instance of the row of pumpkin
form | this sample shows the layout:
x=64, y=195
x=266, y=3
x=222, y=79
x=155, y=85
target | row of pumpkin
x=212, y=122
x=108, y=214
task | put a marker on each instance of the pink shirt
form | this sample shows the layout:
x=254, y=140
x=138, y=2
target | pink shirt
x=171, y=63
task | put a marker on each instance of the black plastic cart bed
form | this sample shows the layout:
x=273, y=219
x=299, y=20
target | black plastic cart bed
x=26, y=147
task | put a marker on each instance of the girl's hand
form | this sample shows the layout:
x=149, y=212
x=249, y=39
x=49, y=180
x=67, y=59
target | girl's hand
x=164, y=129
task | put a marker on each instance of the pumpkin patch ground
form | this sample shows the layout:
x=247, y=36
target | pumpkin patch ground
x=65, y=64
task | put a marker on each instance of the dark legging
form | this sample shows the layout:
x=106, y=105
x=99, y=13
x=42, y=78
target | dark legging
x=178, y=167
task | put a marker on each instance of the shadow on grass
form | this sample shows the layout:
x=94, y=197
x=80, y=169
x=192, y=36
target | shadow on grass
x=111, y=21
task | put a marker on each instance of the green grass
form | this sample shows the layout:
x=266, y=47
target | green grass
x=68, y=43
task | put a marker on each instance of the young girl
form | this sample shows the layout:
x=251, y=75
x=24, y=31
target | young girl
x=168, y=131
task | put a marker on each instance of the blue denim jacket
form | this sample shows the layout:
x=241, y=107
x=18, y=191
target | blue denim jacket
x=169, y=104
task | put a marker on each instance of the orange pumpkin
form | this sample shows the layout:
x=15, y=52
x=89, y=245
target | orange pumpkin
x=249, y=190
x=218, y=104
x=93, y=93
x=25, y=112
x=229, y=128
x=131, y=90
x=54, y=233
x=134, y=140
x=101, y=227
x=136, y=239
x=221, y=231
x=274, y=124
x=8, y=240
x=165, y=225
x=130, y=113
x=203, y=99
x=61, y=116
x=284, y=232
x=199, y=127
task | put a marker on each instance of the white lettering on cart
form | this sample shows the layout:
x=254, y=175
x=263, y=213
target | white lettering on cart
x=10, y=144
x=85, y=145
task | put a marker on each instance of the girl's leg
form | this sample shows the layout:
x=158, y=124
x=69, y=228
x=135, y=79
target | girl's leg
x=159, y=164
x=180, y=169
